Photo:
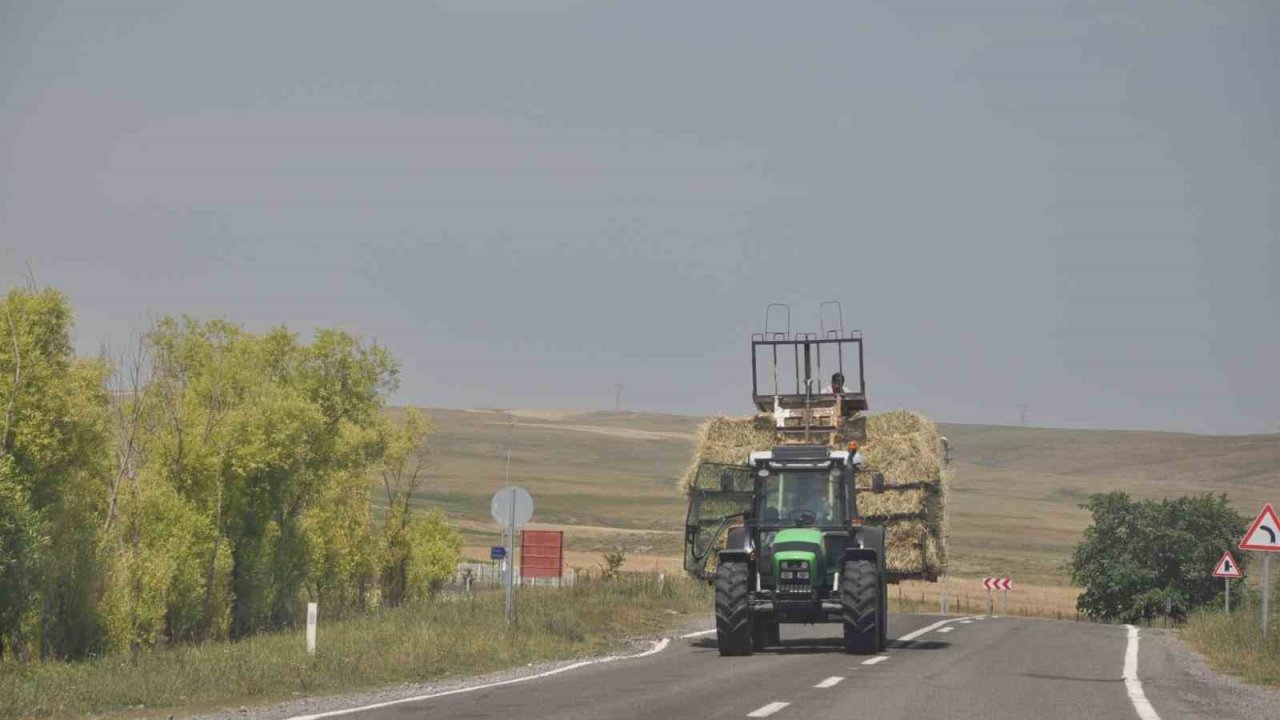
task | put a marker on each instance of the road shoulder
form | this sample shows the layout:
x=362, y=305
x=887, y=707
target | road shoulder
x=321, y=704
x=1182, y=686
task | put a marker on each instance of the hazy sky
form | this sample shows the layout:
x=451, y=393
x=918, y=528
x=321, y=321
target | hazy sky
x=1059, y=204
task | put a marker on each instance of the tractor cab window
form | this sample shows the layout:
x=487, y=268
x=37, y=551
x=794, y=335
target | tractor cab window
x=802, y=497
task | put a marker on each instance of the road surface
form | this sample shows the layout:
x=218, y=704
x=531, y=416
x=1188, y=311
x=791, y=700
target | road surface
x=990, y=668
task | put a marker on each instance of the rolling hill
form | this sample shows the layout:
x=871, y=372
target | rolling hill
x=609, y=480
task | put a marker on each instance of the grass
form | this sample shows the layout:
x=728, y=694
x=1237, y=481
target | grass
x=1233, y=643
x=450, y=637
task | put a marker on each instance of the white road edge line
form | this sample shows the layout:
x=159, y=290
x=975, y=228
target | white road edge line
x=697, y=634
x=768, y=710
x=1131, y=682
x=833, y=680
x=876, y=659
x=658, y=646
x=913, y=635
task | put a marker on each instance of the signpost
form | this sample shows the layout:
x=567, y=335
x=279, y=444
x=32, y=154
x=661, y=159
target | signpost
x=511, y=507
x=1226, y=569
x=1264, y=537
x=497, y=552
x=997, y=583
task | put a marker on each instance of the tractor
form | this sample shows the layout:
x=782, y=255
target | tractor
x=779, y=534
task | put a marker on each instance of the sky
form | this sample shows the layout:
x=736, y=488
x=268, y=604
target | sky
x=1070, y=207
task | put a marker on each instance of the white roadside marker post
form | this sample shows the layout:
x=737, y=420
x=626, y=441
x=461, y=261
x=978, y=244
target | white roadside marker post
x=312, y=611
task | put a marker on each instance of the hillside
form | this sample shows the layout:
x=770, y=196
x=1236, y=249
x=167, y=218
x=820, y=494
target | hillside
x=609, y=478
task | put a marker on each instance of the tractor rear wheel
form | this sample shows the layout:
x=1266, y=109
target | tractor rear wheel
x=860, y=597
x=733, y=609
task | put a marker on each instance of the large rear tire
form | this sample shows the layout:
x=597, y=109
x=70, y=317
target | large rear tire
x=860, y=584
x=733, y=609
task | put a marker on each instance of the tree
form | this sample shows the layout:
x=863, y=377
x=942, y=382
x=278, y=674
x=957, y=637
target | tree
x=53, y=479
x=262, y=443
x=434, y=549
x=1140, y=557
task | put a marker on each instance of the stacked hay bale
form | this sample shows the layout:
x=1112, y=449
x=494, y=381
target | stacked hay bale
x=902, y=446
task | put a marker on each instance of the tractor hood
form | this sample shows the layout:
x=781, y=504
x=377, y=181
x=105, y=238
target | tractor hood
x=799, y=544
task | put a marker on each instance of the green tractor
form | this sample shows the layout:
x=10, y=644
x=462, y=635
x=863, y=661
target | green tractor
x=780, y=535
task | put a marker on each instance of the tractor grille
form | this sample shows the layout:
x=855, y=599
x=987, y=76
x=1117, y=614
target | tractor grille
x=794, y=578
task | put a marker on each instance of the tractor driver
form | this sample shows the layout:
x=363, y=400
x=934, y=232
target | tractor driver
x=807, y=498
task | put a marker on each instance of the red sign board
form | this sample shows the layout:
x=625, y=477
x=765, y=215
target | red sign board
x=541, y=553
x=997, y=583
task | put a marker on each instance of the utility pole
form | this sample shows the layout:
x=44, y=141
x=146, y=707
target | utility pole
x=1022, y=413
x=617, y=397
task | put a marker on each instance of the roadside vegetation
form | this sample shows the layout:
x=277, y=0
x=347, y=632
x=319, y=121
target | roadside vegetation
x=451, y=636
x=1233, y=643
x=1142, y=559
x=204, y=486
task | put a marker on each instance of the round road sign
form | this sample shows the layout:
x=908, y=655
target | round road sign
x=508, y=499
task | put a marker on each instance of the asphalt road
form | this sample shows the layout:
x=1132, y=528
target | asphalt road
x=990, y=668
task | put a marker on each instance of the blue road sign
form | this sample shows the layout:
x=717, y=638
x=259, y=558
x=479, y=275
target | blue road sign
x=497, y=552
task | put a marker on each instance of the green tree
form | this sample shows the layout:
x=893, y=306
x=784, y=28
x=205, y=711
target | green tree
x=262, y=441
x=53, y=470
x=404, y=461
x=1140, y=557
x=434, y=549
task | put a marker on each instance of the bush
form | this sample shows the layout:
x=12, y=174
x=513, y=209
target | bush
x=613, y=561
x=1143, y=559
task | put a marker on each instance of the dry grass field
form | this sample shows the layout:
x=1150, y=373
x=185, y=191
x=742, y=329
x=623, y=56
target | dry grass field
x=609, y=480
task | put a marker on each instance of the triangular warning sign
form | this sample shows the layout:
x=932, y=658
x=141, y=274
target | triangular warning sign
x=1227, y=567
x=1264, y=534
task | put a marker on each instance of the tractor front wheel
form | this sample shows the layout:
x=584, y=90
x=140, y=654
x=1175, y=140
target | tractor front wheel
x=860, y=597
x=733, y=609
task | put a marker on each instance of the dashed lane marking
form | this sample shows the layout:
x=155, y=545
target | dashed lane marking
x=876, y=659
x=768, y=710
x=833, y=680
x=947, y=629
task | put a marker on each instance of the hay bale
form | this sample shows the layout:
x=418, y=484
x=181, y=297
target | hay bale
x=913, y=548
x=904, y=447
x=891, y=503
x=727, y=441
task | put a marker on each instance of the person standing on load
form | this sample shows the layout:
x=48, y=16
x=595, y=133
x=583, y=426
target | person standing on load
x=837, y=385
